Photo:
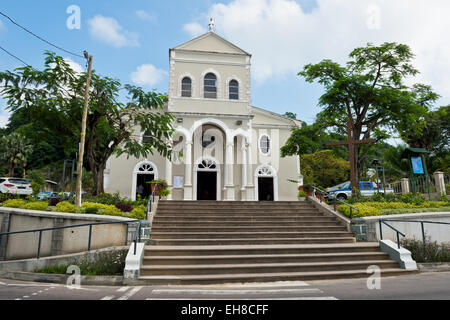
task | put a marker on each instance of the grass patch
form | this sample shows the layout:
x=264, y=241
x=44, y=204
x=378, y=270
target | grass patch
x=431, y=252
x=102, y=264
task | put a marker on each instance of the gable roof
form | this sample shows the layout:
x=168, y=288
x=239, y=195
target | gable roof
x=278, y=117
x=211, y=42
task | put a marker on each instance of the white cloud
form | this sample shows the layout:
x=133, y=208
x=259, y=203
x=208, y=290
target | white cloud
x=148, y=75
x=283, y=37
x=75, y=66
x=145, y=16
x=4, y=118
x=108, y=30
x=194, y=29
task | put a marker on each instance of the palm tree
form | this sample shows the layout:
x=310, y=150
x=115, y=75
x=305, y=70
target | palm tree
x=14, y=150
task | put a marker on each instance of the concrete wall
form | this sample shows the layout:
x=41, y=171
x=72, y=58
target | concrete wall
x=58, y=242
x=370, y=230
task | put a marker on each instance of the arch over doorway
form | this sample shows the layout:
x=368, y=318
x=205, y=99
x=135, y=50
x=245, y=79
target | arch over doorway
x=206, y=172
x=144, y=171
x=266, y=183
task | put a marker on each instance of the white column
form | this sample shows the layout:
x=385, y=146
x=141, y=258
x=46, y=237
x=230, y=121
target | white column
x=229, y=164
x=250, y=185
x=169, y=177
x=440, y=183
x=188, y=171
x=244, y=164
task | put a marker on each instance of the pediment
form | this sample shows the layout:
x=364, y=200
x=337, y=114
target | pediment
x=211, y=42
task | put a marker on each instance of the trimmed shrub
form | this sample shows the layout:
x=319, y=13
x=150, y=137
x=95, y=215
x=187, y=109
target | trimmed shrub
x=66, y=206
x=138, y=213
x=38, y=205
x=431, y=252
x=14, y=203
x=103, y=209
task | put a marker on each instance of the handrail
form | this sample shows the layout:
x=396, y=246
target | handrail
x=422, y=222
x=148, y=208
x=138, y=232
x=334, y=204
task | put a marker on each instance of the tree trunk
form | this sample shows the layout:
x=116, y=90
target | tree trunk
x=11, y=170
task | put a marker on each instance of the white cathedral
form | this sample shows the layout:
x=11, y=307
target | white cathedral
x=230, y=150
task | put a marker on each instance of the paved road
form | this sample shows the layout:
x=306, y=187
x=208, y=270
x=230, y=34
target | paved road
x=428, y=286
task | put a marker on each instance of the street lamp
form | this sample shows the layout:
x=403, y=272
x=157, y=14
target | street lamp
x=378, y=166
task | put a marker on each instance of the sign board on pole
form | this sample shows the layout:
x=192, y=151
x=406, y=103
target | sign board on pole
x=417, y=165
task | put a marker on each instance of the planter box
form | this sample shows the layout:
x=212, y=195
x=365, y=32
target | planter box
x=301, y=198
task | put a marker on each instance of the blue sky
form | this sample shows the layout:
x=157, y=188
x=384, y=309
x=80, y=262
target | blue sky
x=130, y=40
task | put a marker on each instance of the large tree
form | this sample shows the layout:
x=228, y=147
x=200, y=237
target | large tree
x=14, y=151
x=370, y=90
x=53, y=98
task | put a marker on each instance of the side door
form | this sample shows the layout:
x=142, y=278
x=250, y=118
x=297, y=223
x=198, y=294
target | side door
x=366, y=189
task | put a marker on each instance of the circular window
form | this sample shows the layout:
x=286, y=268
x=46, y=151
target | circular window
x=264, y=144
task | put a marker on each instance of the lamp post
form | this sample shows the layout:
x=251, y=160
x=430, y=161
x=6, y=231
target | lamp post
x=378, y=165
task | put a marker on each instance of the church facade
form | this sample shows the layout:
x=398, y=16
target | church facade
x=225, y=148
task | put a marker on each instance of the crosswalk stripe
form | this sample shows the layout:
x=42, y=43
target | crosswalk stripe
x=123, y=289
x=130, y=293
x=107, y=298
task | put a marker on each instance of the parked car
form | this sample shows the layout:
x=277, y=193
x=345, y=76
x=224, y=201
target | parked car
x=47, y=195
x=344, y=191
x=16, y=186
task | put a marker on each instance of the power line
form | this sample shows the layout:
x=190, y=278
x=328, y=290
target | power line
x=40, y=38
x=15, y=57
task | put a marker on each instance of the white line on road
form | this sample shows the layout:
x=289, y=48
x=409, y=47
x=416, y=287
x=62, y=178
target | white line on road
x=236, y=292
x=294, y=298
x=130, y=293
x=123, y=289
x=107, y=298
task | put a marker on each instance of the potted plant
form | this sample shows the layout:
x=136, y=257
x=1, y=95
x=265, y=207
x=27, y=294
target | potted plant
x=161, y=183
x=308, y=188
x=164, y=193
x=301, y=195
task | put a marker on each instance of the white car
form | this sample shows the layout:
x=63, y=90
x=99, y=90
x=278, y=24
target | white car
x=16, y=186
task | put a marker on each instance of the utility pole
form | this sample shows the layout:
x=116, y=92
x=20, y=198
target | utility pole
x=83, y=132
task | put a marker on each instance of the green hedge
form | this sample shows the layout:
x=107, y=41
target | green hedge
x=367, y=209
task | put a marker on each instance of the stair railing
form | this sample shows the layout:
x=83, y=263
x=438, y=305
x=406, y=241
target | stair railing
x=148, y=208
x=137, y=235
x=322, y=196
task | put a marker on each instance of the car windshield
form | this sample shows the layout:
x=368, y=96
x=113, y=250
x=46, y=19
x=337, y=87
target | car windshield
x=19, y=181
x=344, y=185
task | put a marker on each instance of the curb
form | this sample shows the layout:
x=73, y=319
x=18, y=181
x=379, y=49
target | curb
x=434, y=267
x=62, y=279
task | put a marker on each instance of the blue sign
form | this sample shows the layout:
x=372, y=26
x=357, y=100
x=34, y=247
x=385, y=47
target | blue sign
x=417, y=165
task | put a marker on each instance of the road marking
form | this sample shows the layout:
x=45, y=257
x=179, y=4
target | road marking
x=26, y=297
x=123, y=289
x=130, y=293
x=107, y=298
x=237, y=292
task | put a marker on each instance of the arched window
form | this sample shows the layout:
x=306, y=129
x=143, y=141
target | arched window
x=186, y=87
x=264, y=144
x=147, y=137
x=234, y=90
x=210, y=86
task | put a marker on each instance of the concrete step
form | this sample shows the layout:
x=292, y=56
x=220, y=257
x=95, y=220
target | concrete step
x=238, y=228
x=265, y=277
x=234, y=203
x=205, y=250
x=250, y=235
x=238, y=211
x=262, y=258
x=228, y=218
x=247, y=223
x=250, y=241
x=194, y=269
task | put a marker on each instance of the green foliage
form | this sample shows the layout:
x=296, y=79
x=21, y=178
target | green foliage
x=428, y=252
x=102, y=264
x=301, y=194
x=103, y=209
x=37, y=180
x=37, y=205
x=14, y=151
x=370, y=91
x=14, y=203
x=384, y=208
x=66, y=206
x=164, y=193
x=138, y=213
x=323, y=169
x=57, y=110
x=161, y=183
x=416, y=198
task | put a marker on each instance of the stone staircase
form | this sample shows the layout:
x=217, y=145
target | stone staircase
x=209, y=242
